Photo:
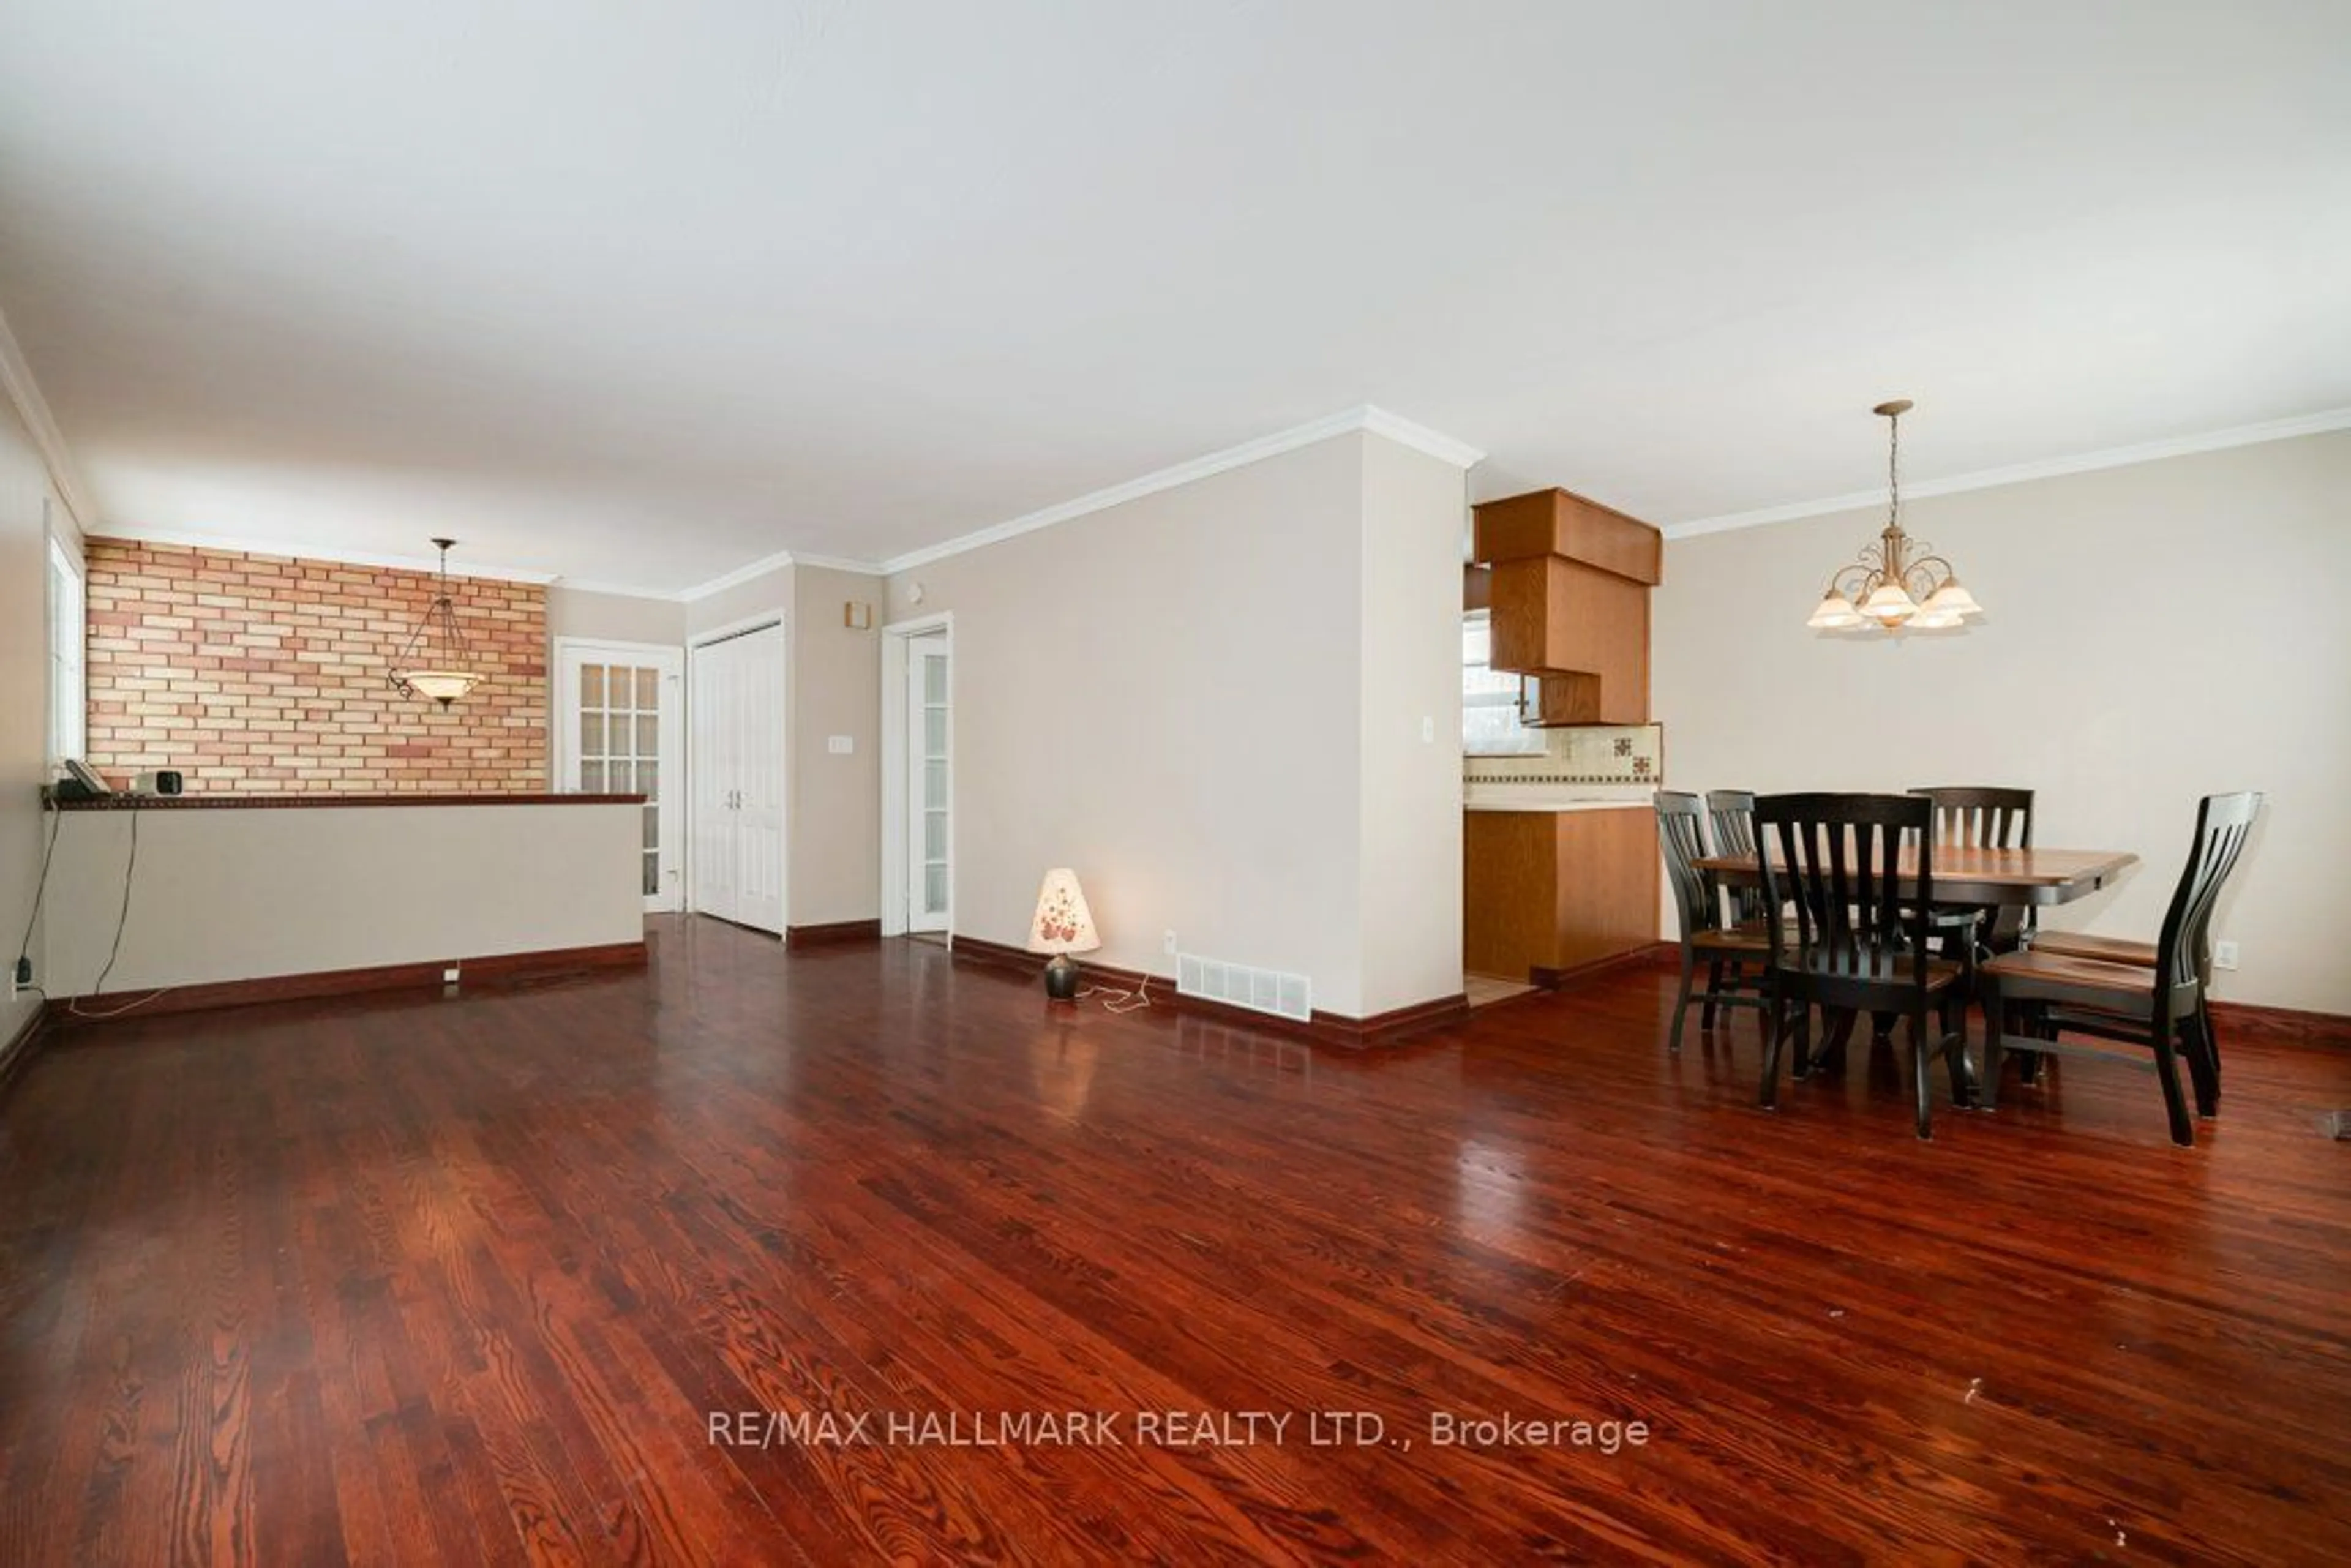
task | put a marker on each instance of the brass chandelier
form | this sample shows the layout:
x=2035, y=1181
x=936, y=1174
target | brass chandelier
x=1896, y=581
x=445, y=673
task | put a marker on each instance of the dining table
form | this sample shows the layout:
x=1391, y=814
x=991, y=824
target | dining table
x=1970, y=874
x=1965, y=875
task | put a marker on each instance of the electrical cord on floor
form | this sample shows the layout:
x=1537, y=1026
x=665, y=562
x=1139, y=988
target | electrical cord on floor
x=41, y=888
x=122, y=920
x=1116, y=1000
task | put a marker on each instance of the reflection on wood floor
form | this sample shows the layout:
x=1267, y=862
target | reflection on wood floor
x=418, y=1281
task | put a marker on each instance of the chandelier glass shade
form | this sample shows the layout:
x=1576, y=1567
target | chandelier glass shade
x=436, y=661
x=1895, y=581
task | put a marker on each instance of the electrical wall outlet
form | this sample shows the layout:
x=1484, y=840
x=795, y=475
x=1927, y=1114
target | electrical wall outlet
x=839, y=745
x=20, y=978
x=2224, y=954
x=1167, y=942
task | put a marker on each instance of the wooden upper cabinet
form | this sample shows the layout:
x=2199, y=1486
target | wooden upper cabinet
x=1560, y=523
x=1569, y=600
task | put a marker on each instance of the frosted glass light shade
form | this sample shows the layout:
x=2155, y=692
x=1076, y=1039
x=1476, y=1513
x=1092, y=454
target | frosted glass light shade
x=1888, y=604
x=1835, y=613
x=1952, y=599
x=1063, y=923
x=1933, y=619
x=444, y=686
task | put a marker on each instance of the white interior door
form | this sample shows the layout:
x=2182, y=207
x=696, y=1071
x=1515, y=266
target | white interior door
x=738, y=724
x=930, y=787
x=714, y=855
x=621, y=734
x=760, y=780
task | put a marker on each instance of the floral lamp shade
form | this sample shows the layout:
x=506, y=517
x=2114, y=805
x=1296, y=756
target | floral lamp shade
x=1063, y=923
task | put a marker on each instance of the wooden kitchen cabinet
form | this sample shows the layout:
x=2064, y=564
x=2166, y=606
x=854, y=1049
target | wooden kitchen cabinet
x=1568, y=591
x=1545, y=894
x=1582, y=631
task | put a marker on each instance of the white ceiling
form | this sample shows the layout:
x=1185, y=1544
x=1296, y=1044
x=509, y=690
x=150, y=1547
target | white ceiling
x=640, y=293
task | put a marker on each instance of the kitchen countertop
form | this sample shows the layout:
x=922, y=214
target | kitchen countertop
x=1492, y=795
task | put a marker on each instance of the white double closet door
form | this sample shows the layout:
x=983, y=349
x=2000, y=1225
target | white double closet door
x=736, y=716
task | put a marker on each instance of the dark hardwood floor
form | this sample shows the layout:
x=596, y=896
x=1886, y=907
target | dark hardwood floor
x=468, y=1280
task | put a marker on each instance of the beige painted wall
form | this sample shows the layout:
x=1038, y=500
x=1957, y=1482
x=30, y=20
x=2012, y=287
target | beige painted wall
x=241, y=894
x=766, y=593
x=1172, y=696
x=24, y=693
x=2156, y=633
x=613, y=617
x=1410, y=914
x=835, y=836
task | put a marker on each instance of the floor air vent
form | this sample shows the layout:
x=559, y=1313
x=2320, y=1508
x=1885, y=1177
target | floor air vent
x=1260, y=990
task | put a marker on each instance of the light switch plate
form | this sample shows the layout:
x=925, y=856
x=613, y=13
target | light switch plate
x=839, y=745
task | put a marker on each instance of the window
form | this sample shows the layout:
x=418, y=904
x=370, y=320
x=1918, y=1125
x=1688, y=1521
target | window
x=1490, y=699
x=69, y=687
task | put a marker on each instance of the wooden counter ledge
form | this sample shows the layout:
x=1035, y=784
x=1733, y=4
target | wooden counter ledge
x=274, y=802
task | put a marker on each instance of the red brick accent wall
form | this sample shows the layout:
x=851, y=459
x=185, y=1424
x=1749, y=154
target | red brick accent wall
x=265, y=674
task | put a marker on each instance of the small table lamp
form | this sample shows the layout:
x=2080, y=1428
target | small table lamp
x=1063, y=925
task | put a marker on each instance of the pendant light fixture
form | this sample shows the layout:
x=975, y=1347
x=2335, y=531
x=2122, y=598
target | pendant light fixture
x=444, y=673
x=1894, y=582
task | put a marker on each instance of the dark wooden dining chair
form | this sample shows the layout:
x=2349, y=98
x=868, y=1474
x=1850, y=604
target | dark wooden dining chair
x=1856, y=940
x=1734, y=955
x=1976, y=816
x=1732, y=814
x=2138, y=955
x=2162, y=1008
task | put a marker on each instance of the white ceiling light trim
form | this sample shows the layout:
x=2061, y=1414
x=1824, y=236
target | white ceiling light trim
x=2318, y=424
x=16, y=376
x=1366, y=418
x=284, y=551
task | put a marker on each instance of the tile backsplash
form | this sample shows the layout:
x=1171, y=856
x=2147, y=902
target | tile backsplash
x=1582, y=754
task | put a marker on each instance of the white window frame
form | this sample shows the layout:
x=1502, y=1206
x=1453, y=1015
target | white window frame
x=68, y=663
x=1472, y=701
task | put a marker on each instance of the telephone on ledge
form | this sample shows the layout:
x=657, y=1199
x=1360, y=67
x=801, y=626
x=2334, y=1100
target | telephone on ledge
x=81, y=783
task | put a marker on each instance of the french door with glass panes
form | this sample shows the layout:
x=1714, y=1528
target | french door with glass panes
x=621, y=734
x=930, y=824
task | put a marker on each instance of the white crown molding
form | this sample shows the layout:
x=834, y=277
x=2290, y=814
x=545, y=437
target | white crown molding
x=335, y=555
x=615, y=589
x=1420, y=438
x=1375, y=421
x=2318, y=424
x=16, y=376
x=1366, y=418
x=839, y=563
x=741, y=574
